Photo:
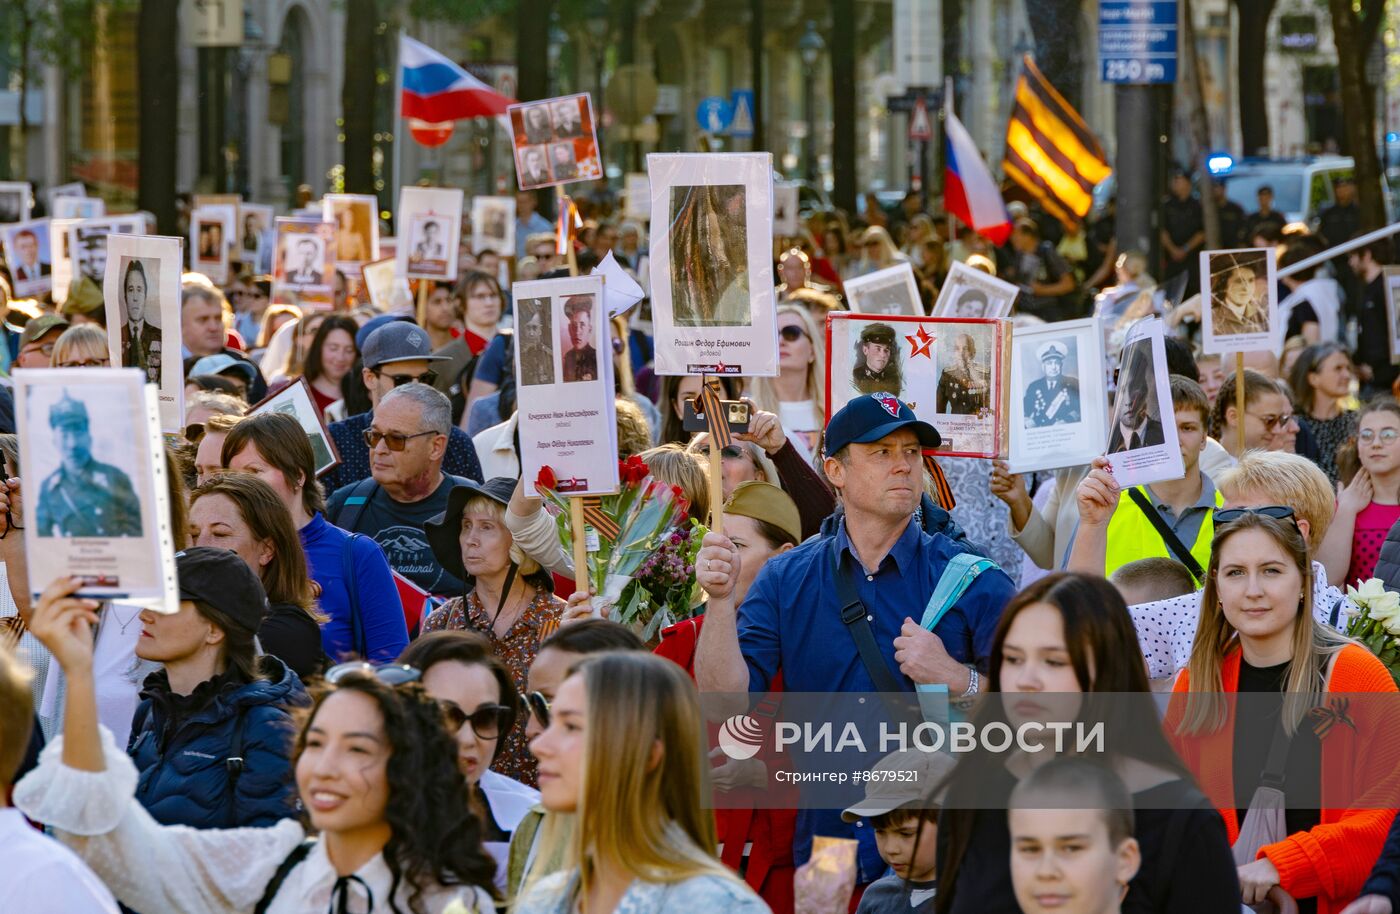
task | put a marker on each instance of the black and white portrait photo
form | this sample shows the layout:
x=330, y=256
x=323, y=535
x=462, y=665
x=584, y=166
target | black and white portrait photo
x=970, y=293
x=965, y=371
x=892, y=290
x=567, y=122
x=426, y=241
x=84, y=496
x=14, y=201
x=140, y=309
x=580, y=353
x=430, y=232
x=1052, y=397
x=493, y=225
x=538, y=128
x=561, y=161
x=534, y=167
x=535, y=339
x=877, y=361
x=709, y=256
x=304, y=256
x=1137, y=413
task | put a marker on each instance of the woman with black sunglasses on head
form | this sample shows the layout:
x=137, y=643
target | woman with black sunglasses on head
x=459, y=669
x=374, y=768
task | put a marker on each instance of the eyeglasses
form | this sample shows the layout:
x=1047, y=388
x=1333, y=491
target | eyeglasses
x=538, y=705
x=1272, y=421
x=45, y=348
x=393, y=674
x=1386, y=435
x=792, y=333
x=1277, y=512
x=86, y=363
x=731, y=451
x=488, y=721
x=394, y=440
x=427, y=377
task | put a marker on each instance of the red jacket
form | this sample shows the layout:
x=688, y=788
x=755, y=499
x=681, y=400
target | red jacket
x=1331, y=860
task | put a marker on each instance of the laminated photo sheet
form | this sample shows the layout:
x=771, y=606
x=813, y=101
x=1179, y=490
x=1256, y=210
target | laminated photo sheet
x=564, y=384
x=712, y=296
x=14, y=201
x=303, y=269
x=950, y=373
x=142, y=296
x=1392, y=301
x=493, y=225
x=786, y=223
x=636, y=193
x=388, y=291
x=968, y=292
x=210, y=228
x=356, y=221
x=1239, y=302
x=892, y=290
x=27, y=251
x=429, y=231
x=255, y=223
x=1142, y=442
x=1058, y=403
x=62, y=272
x=87, y=244
x=555, y=141
x=79, y=207
x=96, y=497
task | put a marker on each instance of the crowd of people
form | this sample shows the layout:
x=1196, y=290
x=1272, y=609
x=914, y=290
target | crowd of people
x=385, y=691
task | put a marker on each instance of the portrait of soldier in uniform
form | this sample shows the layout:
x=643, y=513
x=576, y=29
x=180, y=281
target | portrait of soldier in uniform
x=1239, y=293
x=141, y=342
x=964, y=387
x=877, y=361
x=536, y=334
x=1051, y=399
x=84, y=497
x=581, y=361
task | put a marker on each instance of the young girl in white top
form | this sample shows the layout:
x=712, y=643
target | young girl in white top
x=375, y=769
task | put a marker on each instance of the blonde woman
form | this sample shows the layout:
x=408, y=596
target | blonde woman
x=81, y=346
x=877, y=251
x=622, y=754
x=1257, y=634
x=797, y=394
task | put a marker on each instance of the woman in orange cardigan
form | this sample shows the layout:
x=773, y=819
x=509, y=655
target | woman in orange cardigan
x=1257, y=635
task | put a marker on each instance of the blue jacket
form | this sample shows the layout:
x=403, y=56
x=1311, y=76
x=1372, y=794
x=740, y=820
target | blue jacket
x=181, y=746
x=381, y=612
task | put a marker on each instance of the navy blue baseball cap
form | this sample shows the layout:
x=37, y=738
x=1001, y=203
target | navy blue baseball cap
x=871, y=417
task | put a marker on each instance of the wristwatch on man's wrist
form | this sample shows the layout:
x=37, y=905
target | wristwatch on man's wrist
x=974, y=682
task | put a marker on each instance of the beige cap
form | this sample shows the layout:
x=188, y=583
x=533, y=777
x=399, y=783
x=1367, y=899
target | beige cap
x=911, y=776
x=766, y=502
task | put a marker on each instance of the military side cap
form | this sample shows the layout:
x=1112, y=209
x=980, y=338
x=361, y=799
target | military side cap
x=68, y=412
x=766, y=502
x=40, y=326
x=84, y=297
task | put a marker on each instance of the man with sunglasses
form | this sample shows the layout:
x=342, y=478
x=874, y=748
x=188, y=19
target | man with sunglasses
x=394, y=352
x=406, y=440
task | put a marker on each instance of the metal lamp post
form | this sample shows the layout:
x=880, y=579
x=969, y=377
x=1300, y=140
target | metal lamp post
x=810, y=47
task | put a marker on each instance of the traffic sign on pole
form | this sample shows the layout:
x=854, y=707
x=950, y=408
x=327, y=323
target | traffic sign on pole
x=713, y=114
x=1138, y=41
x=919, y=126
x=741, y=121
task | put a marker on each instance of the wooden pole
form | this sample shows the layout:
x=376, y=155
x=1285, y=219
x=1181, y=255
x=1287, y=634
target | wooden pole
x=423, y=302
x=1239, y=397
x=716, y=474
x=581, y=581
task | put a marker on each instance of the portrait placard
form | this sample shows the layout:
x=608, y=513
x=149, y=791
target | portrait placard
x=71, y=189
x=429, y=221
x=1239, y=301
x=253, y=244
x=79, y=208
x=1142, y=442
x=1392, y=301
x=14, y=201
x=636, y=192
x=296, y=401
x=892, y=290
x=968, y=292
x=564, y=392
x=493, y=225
x=303, y=268
x=1058, y=399
x=62, y=257
x=87, y=244
x=949, y=372
x=27, y=251
x=785, y=205
x=555, y=141
x=98, y=504
x=142, y=296
x=388, y=291
x=209, y=242
x=356, y=221
x=712, y=296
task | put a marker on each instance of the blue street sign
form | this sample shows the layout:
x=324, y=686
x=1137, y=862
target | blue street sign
x=741, y=122
x=1138, y=41
x=713, y=114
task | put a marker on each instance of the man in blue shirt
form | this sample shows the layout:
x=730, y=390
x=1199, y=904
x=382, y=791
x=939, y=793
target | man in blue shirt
x=791, y=618
x=527, y=221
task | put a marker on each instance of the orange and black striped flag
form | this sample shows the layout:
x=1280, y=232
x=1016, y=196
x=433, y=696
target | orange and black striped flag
x=1050, y=151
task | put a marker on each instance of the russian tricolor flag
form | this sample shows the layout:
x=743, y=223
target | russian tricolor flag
x=968, y=189
x=436, y=90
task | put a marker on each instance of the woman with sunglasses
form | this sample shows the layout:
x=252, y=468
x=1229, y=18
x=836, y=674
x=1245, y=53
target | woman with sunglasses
x=1369, y=504
x=356, y=587
x=374, y=769
x=797, y=394
x=509, y=598
x=1267, y=414
x=1257, y=636
x=330, y=358
x=460, y=671
x=82, y=346
x=623, y=753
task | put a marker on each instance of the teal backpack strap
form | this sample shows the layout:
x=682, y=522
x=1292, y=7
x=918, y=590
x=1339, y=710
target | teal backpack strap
x=958, y=575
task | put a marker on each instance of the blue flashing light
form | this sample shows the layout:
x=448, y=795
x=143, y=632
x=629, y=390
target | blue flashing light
x=1219, y=163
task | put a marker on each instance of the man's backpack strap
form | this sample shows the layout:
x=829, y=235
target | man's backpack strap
x=354, y=505
x=857, y=622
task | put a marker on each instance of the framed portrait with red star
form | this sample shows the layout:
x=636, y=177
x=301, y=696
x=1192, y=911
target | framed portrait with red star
x=951, y=373
x=1059, y=401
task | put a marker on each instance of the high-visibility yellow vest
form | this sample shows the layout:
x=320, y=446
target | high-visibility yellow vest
x=1131, y=535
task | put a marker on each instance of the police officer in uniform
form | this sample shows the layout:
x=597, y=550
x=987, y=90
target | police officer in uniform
x=1052, y=399
x=877, y=361
x=84, y=497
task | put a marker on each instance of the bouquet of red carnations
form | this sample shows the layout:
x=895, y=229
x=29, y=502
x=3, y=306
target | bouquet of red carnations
x=646, y=572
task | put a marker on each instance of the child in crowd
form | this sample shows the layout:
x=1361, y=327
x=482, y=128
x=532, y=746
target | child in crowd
x=906, y=832
x=1151, y=579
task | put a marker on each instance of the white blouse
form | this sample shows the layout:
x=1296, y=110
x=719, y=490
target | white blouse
x=153, y=867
